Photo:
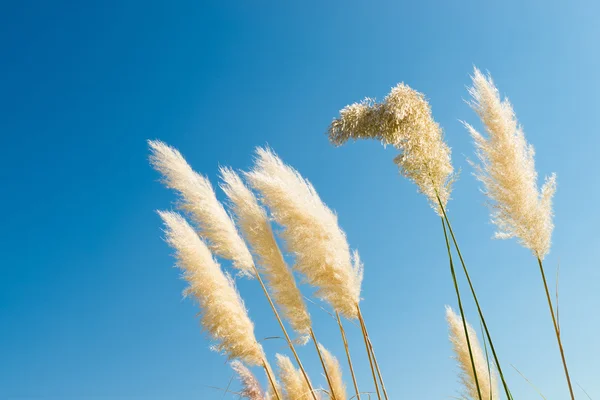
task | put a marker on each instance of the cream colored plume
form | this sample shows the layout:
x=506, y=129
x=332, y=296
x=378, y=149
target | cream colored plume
x=254, y=224
x=311, y=232
x=507, y=170
x=251, y=389
x=335, y=374
x=199, y=199
x=223, y=313
x=404, y=121
x=292, y=381
x=486, y=376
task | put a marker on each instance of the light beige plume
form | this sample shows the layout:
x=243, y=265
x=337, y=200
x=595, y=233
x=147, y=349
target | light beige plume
x=293, y=383
x=254, y=224
x=335, y=374
x=486, y=375
x=223, y=313
x=404, y=121
x=251, y=389
x=311, y=232
x=507, y=170
x=199, y=199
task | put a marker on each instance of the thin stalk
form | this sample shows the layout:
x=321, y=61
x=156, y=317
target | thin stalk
x=287, y=337
x=314, y=339
x=556, y=329
x=373, y=354
x=362, y=326
x=462, y=313
x=268, y=370
x=485, y=327
x=346, y=347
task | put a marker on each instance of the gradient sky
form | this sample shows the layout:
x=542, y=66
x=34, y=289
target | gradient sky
x=90, y=306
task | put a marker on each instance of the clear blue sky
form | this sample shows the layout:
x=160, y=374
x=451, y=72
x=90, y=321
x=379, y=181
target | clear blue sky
x=90, y=307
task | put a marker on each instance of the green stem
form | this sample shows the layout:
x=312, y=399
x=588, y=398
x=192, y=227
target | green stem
x=462, y=313
x=485, y=327
x=556, y=328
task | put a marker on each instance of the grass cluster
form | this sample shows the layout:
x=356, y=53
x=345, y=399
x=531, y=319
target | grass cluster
x=273, y=193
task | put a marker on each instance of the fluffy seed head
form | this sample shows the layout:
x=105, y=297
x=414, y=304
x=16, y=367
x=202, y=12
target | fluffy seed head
x=199, y=199
x=294, y=385
x=335, y=374
x=223, y=313
x=486, y=375
x=507, y=170
x=404, y=121
x=251, y=389
x=311, y=232
x=254, y=224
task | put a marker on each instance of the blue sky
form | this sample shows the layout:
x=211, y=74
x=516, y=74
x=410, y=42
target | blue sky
x=90, y=307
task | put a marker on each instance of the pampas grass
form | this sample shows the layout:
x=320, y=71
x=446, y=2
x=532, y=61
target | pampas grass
x=223, y=313
x=199, y=199
x=507, y=171
x=254, y=223
x=311, y=232
x=336, y=383
x=403, y=119
x=251, y=389
x=485, y=376
x=293, y=384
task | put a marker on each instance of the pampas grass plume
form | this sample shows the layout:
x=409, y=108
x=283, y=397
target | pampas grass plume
x=223, y=313
x=293, y=383
x=251, y=389
x=486, y=376
x=507, y=171
x=254, y=224
x=404, y=121
x=311, y=232
x=199, y=199
x=335, y=374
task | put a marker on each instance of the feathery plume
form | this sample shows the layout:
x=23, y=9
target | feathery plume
x=199, y=199
x=486, y=375
x=294, y=384
x=224, y=315
x=251, y=389
x=404, y=121
x=335, y=374
x=254, y=224
x=311, y=232
x=507, y=171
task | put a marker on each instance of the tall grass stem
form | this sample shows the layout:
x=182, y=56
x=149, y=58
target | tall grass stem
x=366, y=338
x=287, y=337
x=556, y=328
x=460, y=307
x=485, y=327
x=269, y=372
x=314, y=339
x=347, y=348
x=374, y=358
